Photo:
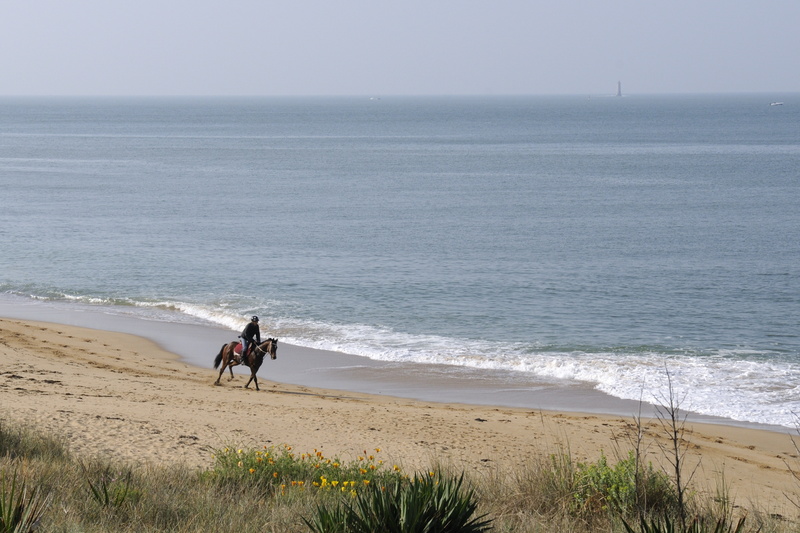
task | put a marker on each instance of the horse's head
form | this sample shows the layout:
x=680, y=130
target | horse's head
x=272, y=348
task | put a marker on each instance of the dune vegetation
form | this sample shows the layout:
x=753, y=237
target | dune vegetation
x=44, y=488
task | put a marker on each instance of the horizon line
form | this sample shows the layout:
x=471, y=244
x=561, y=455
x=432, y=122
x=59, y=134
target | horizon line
x=376, y=95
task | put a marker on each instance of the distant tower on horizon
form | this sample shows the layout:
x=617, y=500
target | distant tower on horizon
x=619, y=88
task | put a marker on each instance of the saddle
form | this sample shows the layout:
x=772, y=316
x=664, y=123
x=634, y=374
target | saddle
x=237, y=353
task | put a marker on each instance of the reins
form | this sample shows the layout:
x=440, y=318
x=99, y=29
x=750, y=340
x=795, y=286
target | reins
x=258, y=347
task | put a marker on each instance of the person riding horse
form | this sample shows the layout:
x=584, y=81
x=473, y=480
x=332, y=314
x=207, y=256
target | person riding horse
x=250, y=332
x=228, y=358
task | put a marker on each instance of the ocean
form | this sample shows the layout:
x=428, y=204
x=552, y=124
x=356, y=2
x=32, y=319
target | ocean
x=616, y=242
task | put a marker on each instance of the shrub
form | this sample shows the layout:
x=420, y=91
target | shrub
x=663, y=524
x=109, y=488
x=427, y=504
x=626, y=488
x=20, y=508
x=279, y=469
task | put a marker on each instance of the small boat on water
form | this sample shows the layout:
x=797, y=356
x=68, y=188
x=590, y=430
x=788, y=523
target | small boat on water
x=776, y=103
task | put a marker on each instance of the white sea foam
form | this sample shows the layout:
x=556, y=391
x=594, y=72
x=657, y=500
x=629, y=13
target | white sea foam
x=732, y=383
x=724, y=384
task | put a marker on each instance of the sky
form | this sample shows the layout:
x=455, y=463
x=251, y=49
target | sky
x=387, y=47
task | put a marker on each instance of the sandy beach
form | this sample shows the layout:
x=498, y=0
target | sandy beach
x=124, y=397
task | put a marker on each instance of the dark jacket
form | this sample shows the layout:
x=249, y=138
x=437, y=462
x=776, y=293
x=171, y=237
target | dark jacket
x=251, y=330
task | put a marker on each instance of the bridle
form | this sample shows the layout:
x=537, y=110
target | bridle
x=267, y=352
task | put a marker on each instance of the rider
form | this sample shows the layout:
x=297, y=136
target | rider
x=250, y=332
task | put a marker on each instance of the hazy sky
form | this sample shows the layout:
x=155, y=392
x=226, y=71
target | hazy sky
x=388, y=47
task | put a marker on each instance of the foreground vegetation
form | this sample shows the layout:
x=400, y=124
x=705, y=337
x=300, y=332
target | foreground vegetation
x=44, y=488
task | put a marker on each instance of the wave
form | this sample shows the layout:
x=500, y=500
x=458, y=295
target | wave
x=740, y=384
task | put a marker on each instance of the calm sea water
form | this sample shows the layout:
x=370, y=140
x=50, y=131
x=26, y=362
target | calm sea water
x=606, y=240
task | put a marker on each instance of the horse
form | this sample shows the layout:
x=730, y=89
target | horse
x=252, y=359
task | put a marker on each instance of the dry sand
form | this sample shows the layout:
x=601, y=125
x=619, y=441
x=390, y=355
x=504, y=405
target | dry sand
x=122, y=397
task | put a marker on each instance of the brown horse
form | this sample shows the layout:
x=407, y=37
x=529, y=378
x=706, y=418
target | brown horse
x=253, y=359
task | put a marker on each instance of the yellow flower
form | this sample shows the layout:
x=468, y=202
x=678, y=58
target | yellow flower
x=275, y=474
x=252, y=470
x=240, y=464
x=240, y=451
x=377, y=450
x=366, y=482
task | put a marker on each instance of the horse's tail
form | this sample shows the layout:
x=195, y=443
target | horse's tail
x=218, y=358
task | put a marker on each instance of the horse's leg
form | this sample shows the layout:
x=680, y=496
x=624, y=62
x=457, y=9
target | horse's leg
x=231, y=358
x=254, y=370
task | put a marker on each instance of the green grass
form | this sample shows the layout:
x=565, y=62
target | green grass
x=279, y=469
x=665, y=524
x=279, y=489
x=21, y=442
x=21, y=508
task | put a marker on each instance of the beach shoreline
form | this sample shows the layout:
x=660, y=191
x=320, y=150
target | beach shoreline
x=124, y=397
x=198, y=344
